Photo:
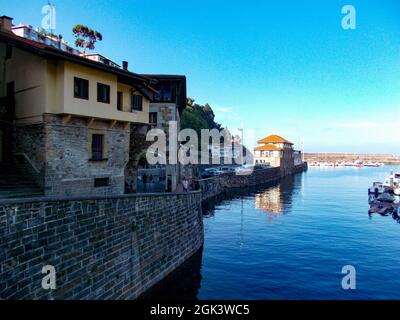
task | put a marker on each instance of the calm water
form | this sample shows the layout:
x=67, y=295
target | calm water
x=291, y=241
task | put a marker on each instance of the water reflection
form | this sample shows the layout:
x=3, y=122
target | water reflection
x=277, y=200
x=388, y=208
x=281, y=192
x=274, y=198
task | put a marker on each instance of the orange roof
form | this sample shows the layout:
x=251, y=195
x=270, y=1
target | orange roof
x=267, y=147
x=274, y=139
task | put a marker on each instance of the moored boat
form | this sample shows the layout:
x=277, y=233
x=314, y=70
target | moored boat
x=378, y=188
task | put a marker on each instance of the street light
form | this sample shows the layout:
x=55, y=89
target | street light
x=242, y=144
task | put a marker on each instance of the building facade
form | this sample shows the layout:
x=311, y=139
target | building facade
x=277, y=152
x=76, y=124
x=166, y=108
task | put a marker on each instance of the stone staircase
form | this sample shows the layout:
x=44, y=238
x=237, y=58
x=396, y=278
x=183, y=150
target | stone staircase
x=16, y=184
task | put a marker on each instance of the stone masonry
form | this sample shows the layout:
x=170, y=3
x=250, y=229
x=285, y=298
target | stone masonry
x=61, y=153
x=101, y=248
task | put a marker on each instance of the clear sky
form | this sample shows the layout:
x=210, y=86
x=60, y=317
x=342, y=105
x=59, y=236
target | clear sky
x=282, y=67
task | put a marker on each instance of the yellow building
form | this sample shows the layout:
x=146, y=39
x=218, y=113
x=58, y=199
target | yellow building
x=74, y=122
x=275, y=151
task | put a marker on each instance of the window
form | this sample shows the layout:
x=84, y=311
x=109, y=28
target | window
x=137, y=102
x=101, y=182
x=153, y=118
x=81, y=88
x=120, y=100
x=103, y=93
x=97, y=147
x=166, y=92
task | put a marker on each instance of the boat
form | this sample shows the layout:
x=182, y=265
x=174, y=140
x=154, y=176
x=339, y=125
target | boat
x=391, y=185
x=378, y=188
x=386, y=197
x=372, y=164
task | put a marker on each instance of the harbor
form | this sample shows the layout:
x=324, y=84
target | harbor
x=146, y=156
x=358, y=164
x=291, y=240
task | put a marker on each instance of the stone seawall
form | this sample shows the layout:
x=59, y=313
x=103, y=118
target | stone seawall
x=101, y=248
x=217, y=185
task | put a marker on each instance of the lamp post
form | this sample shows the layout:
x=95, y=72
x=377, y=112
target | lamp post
x=242, y=144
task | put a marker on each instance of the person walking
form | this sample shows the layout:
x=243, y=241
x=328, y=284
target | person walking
x=185, y=184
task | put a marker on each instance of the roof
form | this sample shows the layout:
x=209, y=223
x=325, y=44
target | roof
x=274, y=139
x=50, y=52
x=267, y=147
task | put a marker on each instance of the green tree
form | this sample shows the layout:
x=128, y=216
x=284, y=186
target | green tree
x=190, y=119
x=86, y=37
x=198, y=117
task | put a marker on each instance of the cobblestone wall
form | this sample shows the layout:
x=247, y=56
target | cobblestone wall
x=101, y=248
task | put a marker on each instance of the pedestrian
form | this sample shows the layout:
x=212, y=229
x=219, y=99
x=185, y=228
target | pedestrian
x=185, y=184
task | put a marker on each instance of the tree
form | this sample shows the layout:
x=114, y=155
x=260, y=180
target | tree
x=86, y=37
x=198, y=117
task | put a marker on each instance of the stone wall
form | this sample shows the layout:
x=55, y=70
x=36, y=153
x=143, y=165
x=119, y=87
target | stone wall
x=220, y=184
x=29, y=151
x=69, y=168
x=101, y=248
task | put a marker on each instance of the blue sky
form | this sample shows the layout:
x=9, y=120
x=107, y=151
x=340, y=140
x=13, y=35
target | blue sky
x=283, y=67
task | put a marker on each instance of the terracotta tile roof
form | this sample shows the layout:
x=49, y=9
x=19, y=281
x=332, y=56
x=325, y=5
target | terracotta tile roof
x=274, y=139
x=267, y=147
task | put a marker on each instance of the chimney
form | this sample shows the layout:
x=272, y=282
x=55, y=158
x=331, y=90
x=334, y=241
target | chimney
x=5, y=24
x=125, y=65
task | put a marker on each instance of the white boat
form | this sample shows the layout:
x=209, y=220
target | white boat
x=393, y=180
x=378, y=188
x=372, y=164
x=391, y=184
